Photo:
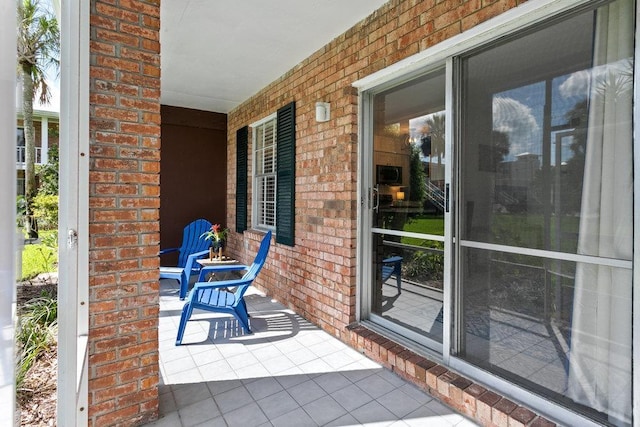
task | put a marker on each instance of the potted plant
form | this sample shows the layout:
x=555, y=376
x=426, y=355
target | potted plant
x=218, y=236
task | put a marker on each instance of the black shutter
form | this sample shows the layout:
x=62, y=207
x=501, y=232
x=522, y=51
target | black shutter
x=242, y=142
x=286, y=174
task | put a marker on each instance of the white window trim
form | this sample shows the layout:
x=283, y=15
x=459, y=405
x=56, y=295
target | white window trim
x=254, y=188
x=528, y=14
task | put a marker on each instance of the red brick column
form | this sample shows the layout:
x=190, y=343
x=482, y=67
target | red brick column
x=124, y=201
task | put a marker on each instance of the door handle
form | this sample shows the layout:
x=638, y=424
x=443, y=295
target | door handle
x=446, y=198
x=375, y=195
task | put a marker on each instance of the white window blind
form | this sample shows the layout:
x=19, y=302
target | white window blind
x=265, y=174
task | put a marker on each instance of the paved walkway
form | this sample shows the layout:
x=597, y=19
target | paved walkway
x=287, y=373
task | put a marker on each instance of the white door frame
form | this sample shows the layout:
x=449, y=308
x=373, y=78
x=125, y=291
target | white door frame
x=73, y=289
x=8, y=236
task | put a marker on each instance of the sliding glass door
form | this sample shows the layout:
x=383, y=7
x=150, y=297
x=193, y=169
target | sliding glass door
x=408, y=207
x=512, y=258
x=546, y=210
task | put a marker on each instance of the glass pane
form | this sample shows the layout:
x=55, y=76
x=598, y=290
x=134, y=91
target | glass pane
x=409, y=157
x=546, y=149
x=547, y=144
x=557, y=327
x=409, y=282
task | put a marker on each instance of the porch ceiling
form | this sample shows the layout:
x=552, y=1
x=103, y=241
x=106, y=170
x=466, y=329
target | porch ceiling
x=217, y=54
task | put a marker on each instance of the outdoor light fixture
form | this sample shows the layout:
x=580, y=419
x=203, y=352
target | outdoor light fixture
x=400, y=195
x=323, y=112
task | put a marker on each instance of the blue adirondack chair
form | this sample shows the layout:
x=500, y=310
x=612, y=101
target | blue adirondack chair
x=193, y=247
x=214, y=296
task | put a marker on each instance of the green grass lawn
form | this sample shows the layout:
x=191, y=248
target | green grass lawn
x=424, y=224
x=39, y=258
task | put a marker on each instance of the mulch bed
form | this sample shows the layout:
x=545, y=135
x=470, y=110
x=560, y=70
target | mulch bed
x=38, y=397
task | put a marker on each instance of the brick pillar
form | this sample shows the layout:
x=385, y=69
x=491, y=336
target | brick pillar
x=124, y=201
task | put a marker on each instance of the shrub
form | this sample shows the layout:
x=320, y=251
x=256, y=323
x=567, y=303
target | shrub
x=40, y=258
x=45, y=210
x=48, y=173
x=37, y=332
x=21, y=210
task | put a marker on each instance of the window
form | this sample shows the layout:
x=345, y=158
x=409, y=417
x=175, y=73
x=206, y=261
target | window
x=20, y=143
x=264, y=178
x=273, y=202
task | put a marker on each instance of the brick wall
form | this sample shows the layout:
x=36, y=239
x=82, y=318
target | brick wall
x=317, y=276
x=123, y=213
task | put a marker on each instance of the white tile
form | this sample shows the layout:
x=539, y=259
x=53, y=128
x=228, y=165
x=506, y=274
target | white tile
x=355, y=372
x=277, y=404
x=339, y=359
x=439, y=408
x=179, y=365
x=373, y=412
x=309, y=339
x=216, y=422
x=301, y=355
x=197, y=413
x=306, y=392
x=218, y=387
x=278, y=365
x=316, y=366
x=263, y=387
x=288, y=380
x=345, y=420
x=212, y=371
x=240, y=361
x=205, y=357
x=375, y=386
x=415, y=393
x=324, y=410
x=167, y=404
x=232, y=399
x=394, y=379
x=351, y=397
x=255, y=370
x=332, y=381
x=296, y=418
x=399, y=403
x=185, y=377
x=191, y=394
x=230, y=349
x=173, y=353
x=288, y=346
x=249, y=414
x=266, y=352
x=425, y=417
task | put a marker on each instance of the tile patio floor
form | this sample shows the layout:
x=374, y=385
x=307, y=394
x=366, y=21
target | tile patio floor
x=287, y=373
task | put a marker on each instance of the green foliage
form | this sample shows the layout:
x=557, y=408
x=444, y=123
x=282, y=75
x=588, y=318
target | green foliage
x=21, y=210
x=40, y=258
x=38, y=44
x=48, y=173
x=417, y=181
x=425, y=265
x=37, y=332
x=45, y=210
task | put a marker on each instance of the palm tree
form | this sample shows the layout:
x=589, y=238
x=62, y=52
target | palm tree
x=38, y=49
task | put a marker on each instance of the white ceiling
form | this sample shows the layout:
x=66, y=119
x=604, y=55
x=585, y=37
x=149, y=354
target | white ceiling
x=218, y=53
